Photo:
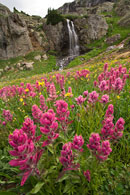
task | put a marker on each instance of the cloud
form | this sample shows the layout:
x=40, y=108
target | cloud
x=34, y=7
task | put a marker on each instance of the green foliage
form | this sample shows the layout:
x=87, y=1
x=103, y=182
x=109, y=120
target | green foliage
x=71, y=17
x=53, y=17
x=15, y=10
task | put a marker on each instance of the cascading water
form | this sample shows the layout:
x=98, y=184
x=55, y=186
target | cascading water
x=73, y=45
x=73, y=39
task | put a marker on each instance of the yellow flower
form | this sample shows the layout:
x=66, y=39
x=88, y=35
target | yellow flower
x=118, y=97
x=26, y=90
x=21, y=99
x=40, y=93
x=41, y=83
x=68, y=95
x=87, y=76
x=53, y=76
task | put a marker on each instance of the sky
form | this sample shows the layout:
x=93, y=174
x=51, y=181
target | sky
x=34, y=7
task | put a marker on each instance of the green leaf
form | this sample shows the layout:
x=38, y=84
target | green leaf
x=64, y=178
x=37, y=188
x=67, y=187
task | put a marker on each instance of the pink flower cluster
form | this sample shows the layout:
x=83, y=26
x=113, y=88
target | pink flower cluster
x=26, y=153
x=113, y=80
x=104, y=99
x=82, y=73
x=49, y=126
x=52, y=92
x=109, y=131
x=80, y=100
x=7, y=115
x=60, y=80
x=62, y=113
x=87, y=175
x=43, y=106
x=36, y=113
x=68, y=155
x=100, y=149
x=93, y=96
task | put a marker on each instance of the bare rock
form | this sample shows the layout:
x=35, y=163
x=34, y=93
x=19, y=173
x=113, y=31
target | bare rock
x=45, y=57
x=113, y=39
x=14, y=37
x=37, y=57
x=28, y=65
x=125, y=21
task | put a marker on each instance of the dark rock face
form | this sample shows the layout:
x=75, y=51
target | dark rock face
x=14, y=38
x=58, y=37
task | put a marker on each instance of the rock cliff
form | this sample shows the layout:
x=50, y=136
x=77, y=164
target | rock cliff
x=14, y=37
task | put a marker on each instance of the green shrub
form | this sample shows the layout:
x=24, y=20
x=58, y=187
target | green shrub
x=53, y=17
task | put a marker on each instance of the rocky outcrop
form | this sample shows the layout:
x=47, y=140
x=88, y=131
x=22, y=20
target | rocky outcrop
x=91, y=28
x=14, y=37
x=83, y=7
x=122, y=7
x=125, y=21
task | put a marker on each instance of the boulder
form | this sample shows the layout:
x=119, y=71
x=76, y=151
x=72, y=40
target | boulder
x=97, y=27
x=45, y=57
x=28, y=65
x=37, y=57
x=113, y=39
x=6, y=68
x=25, y=65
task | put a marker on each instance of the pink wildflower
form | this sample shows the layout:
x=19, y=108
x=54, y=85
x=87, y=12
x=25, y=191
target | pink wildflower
x=43, y=106
x=49, y=126
x=85, y=93
x=67, y=157
x=93, y=96
x=62, y=113
x=94, y=142
x=80, y=100
x=103, y=86
x=36, y=112
x=104, y=151
x=104, y=99
x=87, y=175
x=52, y=93
x=78, y=142
x=110, y=111
x=29, y=128
x=7, y=115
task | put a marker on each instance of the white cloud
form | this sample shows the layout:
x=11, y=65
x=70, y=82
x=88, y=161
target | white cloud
x=34, y=7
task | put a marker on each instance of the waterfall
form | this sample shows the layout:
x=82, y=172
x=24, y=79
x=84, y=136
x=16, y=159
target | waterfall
x=73, y=46
x=73, y=39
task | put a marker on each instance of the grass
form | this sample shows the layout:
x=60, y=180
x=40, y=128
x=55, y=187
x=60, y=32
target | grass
x=39, y=67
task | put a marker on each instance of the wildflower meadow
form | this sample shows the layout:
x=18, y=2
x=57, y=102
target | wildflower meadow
x=67, y=133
